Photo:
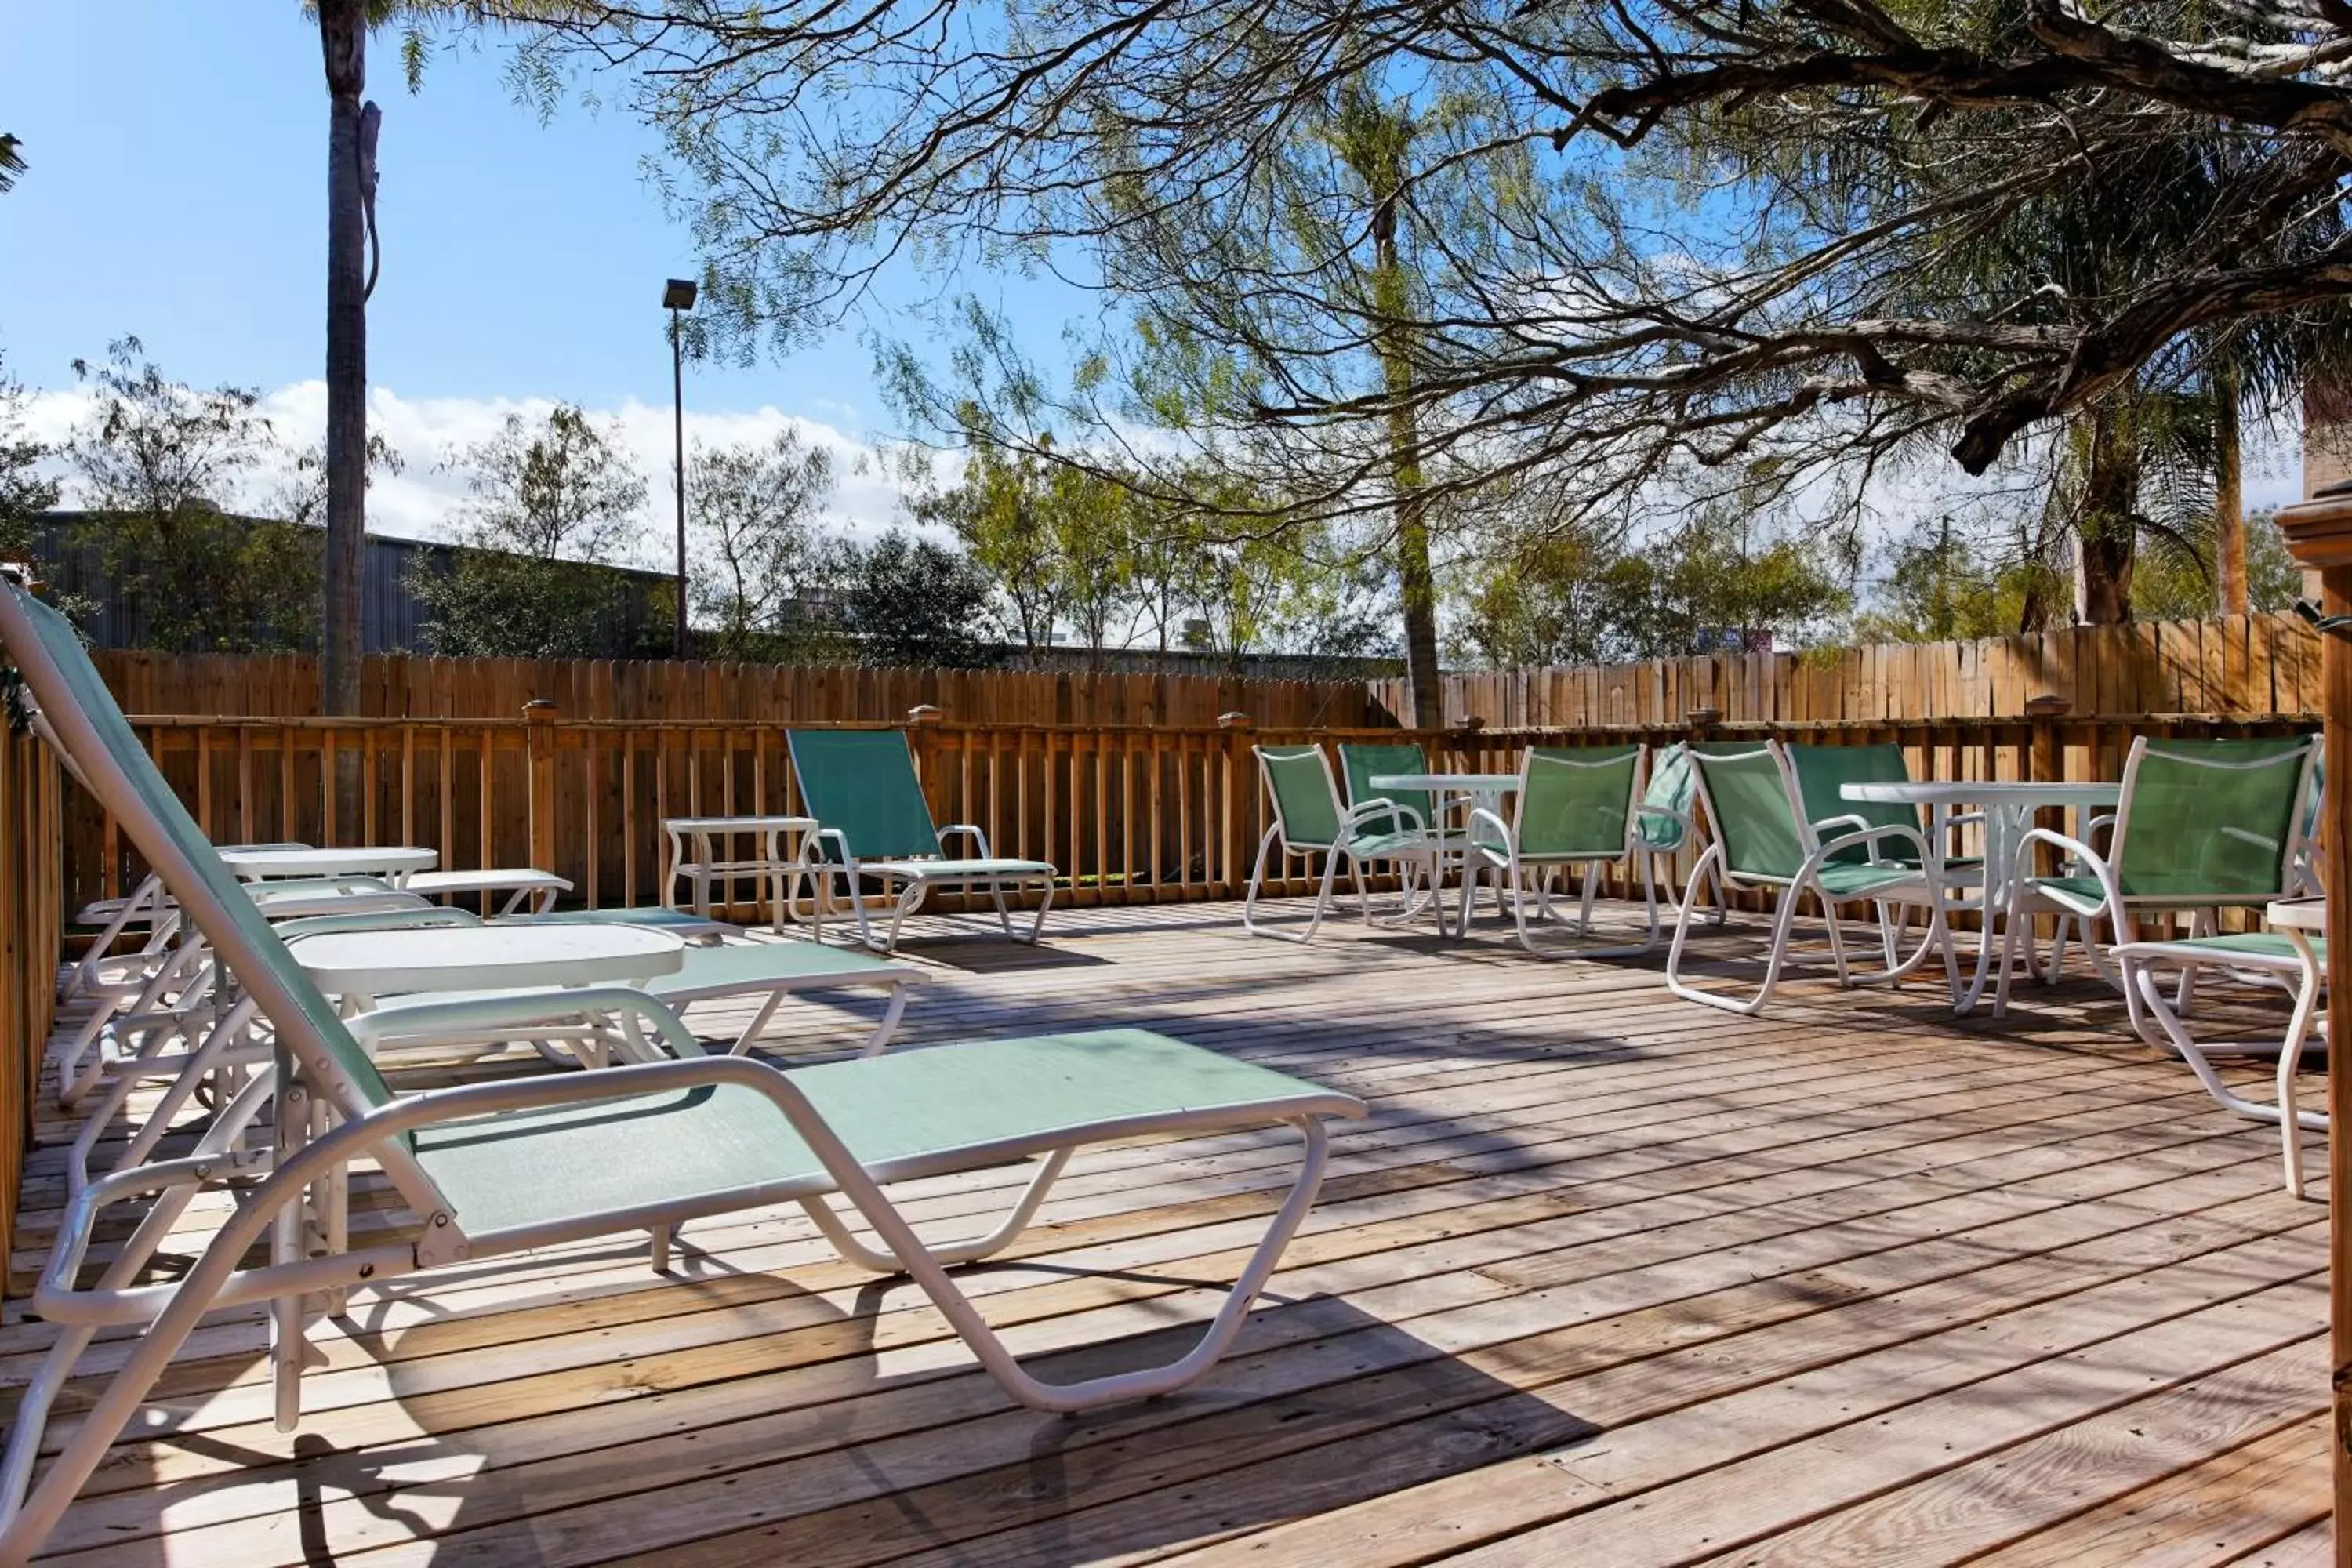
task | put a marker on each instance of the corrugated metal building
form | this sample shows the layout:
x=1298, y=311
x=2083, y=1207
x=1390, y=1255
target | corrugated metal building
x=72, y=559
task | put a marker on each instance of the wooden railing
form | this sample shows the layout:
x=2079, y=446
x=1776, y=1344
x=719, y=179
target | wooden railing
x=1129, y=813
x=32, y=920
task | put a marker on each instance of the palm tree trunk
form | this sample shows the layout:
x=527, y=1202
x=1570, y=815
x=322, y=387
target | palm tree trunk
x=2228, y=497
x=2107, y=525
x=342, y=33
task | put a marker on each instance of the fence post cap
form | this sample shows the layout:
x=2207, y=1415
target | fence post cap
x=924, y=713
x=2049, y=705
x=1470, y=721
x=1700, y=718
x=540, y=710
x=1233, y=720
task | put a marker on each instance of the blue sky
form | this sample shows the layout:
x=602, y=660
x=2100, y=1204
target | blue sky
x=177, y=192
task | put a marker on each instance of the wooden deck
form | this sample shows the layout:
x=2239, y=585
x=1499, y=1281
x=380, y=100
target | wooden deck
x=1607, y=1279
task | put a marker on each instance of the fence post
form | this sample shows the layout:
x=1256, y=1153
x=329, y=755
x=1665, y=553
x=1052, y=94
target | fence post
x=921, y=717
x=538, y=750
x=1239, y=789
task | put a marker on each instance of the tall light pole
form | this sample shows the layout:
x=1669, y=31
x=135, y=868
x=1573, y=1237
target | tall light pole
x=678, y=297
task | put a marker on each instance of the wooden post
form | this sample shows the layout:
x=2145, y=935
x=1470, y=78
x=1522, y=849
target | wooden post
x=538, y=745
x=1240, y=788
x=2319, y=533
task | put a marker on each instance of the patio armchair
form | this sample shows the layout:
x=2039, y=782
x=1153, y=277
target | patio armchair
x=500, y=1169
x=1761, y=839
x=1576, y=806
x=873, y=822
x=1668, y=820
x=1360, y=764
x=1309, y=820
x=2201, y=826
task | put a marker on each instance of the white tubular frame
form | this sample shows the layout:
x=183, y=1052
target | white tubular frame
x=1926, y=893
x=1278, y=839
x=2161, y=1025
x=1514, y=865
x=171, y=1311
x=918, y=884
x=2113, y=907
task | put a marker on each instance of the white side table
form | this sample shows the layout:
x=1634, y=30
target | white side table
x=704, y=864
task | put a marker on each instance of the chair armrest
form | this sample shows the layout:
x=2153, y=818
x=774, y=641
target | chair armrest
x=812, y=848
x=1867, y=836
x=965, y=830
x=1357, y=815
x=1854, y=818
x=1503, y=837
x=520, y=1009
x=432, y=917
x=2075, y=851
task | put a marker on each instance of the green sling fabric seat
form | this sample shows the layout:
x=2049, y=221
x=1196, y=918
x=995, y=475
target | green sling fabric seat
x=2201, y=826
x=1310, y=819
x=1763, y=836
x=1361, y=762
x=1575, y=806
x=873, y=822
x=923, y=1113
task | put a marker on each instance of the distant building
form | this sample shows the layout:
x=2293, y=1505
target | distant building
x=393, y=620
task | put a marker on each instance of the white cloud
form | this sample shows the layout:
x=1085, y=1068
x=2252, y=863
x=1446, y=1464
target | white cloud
x=420, y=502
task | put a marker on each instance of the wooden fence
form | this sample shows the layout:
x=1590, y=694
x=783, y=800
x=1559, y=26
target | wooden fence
x=2242, y=665
x=286, y=686
x=1129, y=813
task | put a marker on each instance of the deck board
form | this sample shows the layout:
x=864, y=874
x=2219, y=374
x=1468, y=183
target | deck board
x=1606, y=1277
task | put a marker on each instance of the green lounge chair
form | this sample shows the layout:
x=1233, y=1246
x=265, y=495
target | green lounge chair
x=1576, y=806
x=2264, y=957
x=873, y=821
x=771, y=971
x=1761, y=839
x=498, y=1169
x=1309, y=820
x=2201, y=826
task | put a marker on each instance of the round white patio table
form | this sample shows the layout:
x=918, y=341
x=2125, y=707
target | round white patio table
x=362, y=965
x=392, y=862
x=1480, y=790
x=2009, y=805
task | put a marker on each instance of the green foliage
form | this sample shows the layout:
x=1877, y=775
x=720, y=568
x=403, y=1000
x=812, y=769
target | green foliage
x=907, y=601
x=25, y=493
x=1946, y=583
x=156, y=459
x=548, y=503
x=1724, y=580
x=752, y=512
x=2174, y=579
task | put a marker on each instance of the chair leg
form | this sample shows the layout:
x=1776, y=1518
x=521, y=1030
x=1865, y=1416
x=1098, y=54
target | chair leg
x=1781, y=917
x=929, y=1271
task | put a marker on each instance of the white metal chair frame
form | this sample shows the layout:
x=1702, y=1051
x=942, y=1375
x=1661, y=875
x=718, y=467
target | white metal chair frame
x=1279, y=846
x=1510, y=859
x=2118, y=910
x=2161, y=1024
x=1924, y=891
